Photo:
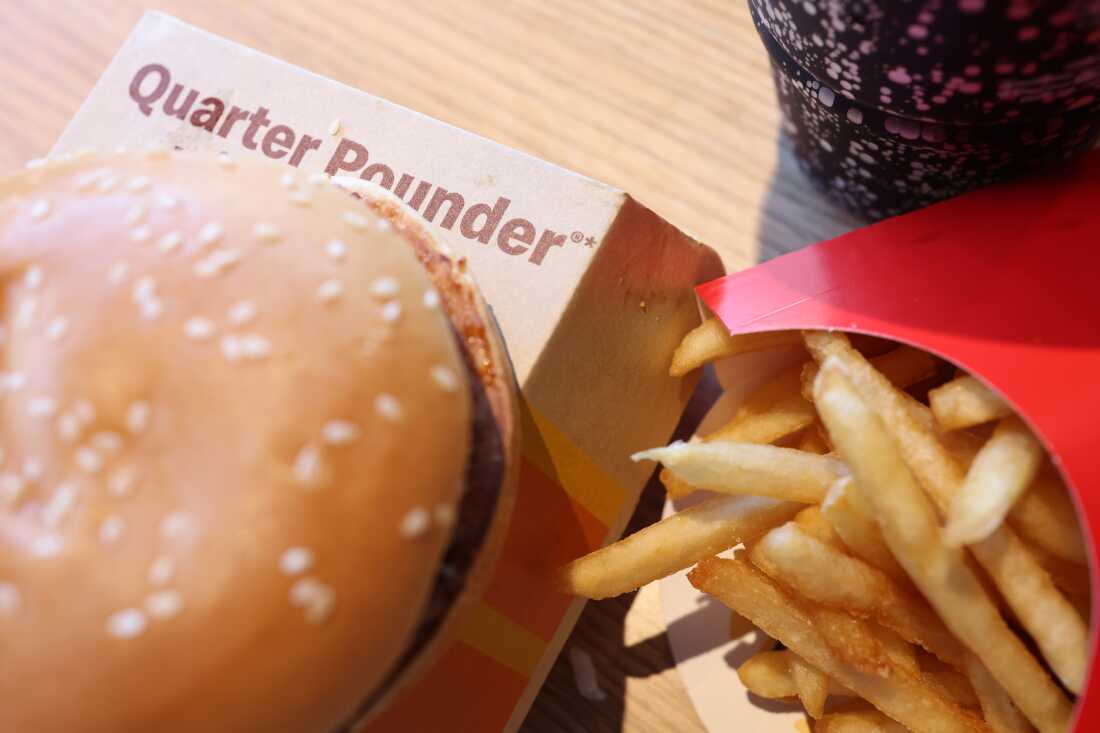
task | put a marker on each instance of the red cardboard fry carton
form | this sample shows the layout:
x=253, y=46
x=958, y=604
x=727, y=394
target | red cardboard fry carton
x=591, y=290
x=1004, y=282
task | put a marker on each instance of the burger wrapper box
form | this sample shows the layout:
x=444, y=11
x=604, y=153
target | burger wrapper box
x=591, y=290
x=1004, y=282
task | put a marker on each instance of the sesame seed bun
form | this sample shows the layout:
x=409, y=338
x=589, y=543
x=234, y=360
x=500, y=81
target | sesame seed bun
x=259, y=447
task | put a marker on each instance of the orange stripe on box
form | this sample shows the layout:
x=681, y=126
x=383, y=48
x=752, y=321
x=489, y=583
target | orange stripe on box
x=548, y=530
x=497, y=636
x=441, y=701
x=565, y=463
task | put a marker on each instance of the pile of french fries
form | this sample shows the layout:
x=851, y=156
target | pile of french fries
x=919, y=562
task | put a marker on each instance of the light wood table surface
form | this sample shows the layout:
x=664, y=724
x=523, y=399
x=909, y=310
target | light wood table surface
x=669, y=99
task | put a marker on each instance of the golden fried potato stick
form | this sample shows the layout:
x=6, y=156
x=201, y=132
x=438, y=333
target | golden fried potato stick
x=711, y=340
x=911, y=530
x=773, y=411
x=825, y=576
x=965, y=402
x=904, y=367
x=673, y=544
x=811, y=521
x=1045, y=517
x=858, y=721
x=812, y=685
x=855, y=523
x=1057, y=628
x=747, y=468
x=997, y=708
x=769, y=674
x=905, y=698
x=1000, y=474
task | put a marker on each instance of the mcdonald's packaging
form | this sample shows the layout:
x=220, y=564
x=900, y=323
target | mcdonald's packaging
x=1001, y=282
x=591, y=290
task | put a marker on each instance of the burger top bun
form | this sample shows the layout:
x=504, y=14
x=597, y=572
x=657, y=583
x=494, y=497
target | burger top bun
x=235, y=430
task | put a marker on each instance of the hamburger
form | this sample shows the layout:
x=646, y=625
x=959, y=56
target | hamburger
x=259, y=447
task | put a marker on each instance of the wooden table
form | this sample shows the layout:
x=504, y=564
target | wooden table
x=672, y=101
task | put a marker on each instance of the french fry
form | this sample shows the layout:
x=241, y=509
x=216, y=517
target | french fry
x=711, y=340
x=1046, y=518
x=947, y=678
x=997, y=708
x=964, y=402
x=813, y=441
x=747, y=468
x=769, y=674
x=673, y=544
x=675, y=487
x=812, y=685
x=1001, y=472
x=1057, y=628
x=845, y=510
x=904, y=367
x=775, y=410
x=811, y=521
x=905, y=698
x=910, y=528
x=820, y=573
x=858, y=721
x=1070, y=577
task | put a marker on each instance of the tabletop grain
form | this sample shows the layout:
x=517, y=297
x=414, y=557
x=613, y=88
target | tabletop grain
x=672, y=101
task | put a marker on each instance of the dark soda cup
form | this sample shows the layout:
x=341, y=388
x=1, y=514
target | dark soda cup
x=893, y=105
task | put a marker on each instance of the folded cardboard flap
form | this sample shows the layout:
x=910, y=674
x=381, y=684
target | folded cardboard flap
x=1001, y=282
x=591, y=290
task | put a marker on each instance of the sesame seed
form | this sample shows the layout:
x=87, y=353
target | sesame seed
x=330, y=290
x=388, y=407
x=340, y=432
x=254, y=346
x=33, y=277
x=106, y=183
x=12, y=381
x=127, y=624
x=336, y=249
x=266, y=232
x=167, y=201
x=151, y=309
x=107, y=441
x=12, y=487
x=444, y=515
x=178, y=527
x=242, y=312
x=300, y=198
x=162, y=570
x=59, y=506
x=133, y=215
x=444, y=378
x=334, y=127
x=231, y=348
x=170, y=241
x=199, y=329
x=68, y=428
x=318, y=179
x=41, y=407
x=295, y=561
x=141, y=234
x=25, y=312
x=308, y=467
x=11, y=600
x=391, y=311
x=57, y=328
x=32, y=469
x=40, y=210
x=137, y=417
x=210, y=233
x=356, y=220
x=139, y=184
x=87, y=460
x=47, y=545
x=315, y=597
x=287, y=180
x=84, y=411
x=383, y=225
x=121, y=482
x=217, y=262
x=415, y=523
x=164, y=604
x=385, y=287
x=111, y=529
x=34, y=163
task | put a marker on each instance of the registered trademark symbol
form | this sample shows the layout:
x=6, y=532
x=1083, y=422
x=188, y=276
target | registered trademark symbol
x=577, y=237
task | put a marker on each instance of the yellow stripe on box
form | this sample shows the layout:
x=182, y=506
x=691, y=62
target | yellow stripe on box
x=564, y=462
x=502, y=639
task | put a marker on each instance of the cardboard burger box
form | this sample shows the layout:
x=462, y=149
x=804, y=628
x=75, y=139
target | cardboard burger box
x=1002, y=282
x=591, y=290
